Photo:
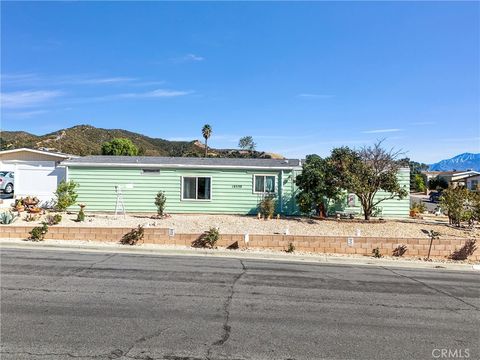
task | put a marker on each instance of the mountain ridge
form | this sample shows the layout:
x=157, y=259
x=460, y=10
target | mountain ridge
x=464, y=161
x=85, y=140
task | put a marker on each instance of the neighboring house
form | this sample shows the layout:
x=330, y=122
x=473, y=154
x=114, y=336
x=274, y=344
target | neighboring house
x=36, y=172
x=470, y=182
x=453, y=178
x=193, y=185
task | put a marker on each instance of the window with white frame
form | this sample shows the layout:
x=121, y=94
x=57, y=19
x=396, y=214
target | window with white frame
x=196, y=188
x=264, y=183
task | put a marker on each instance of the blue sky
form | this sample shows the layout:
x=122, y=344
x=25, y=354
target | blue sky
x=300, y=78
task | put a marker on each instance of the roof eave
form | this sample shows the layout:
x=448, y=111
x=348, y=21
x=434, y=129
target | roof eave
x=183, y=166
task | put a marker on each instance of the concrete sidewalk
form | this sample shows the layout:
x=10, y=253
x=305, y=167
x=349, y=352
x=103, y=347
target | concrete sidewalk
x=165, y=250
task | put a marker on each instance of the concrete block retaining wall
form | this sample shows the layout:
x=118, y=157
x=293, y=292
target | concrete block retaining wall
x=416, y=247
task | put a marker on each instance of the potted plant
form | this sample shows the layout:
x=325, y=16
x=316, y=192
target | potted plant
x=30, y=201
x=19, y=206
x=34, y=210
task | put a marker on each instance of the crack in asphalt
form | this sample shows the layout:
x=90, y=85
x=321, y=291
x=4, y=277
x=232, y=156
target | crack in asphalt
x=226, y=311
x=141, y=340
x=443, y=292
x=71, y=272
x=79, y=270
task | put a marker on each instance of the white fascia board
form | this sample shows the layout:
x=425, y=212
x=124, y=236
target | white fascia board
x=156, y=166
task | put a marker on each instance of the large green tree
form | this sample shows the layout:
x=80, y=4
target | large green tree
x=366, y=172
x=206, y=132
x=119, y=146
x=316, y=185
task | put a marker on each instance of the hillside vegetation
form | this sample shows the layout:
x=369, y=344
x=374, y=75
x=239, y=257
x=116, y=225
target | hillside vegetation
x=87, y=140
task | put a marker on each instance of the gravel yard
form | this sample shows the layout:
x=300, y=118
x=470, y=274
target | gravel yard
x=236, y=224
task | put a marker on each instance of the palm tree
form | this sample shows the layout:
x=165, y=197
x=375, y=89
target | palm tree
x=206, y=132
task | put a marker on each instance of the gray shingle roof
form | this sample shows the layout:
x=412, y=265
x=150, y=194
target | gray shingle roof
x=193, y=162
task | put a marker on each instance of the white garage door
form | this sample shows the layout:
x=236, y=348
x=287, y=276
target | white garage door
x=37, y=178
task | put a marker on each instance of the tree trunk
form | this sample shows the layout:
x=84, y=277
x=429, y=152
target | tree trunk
x=367, y=211
x=206, y=147
x=321, y=212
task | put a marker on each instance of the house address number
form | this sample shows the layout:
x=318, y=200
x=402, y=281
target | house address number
x=236, y=186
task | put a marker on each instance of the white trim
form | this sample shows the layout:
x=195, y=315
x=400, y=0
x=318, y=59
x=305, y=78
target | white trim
x=196, y=186
x=264, y=183
x=137, y=165
x=63, y=156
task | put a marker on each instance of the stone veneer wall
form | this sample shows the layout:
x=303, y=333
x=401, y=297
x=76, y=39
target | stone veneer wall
x=416, y=247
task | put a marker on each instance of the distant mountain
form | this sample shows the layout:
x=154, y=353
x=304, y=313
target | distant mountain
x=465, y=161
x=87, y=140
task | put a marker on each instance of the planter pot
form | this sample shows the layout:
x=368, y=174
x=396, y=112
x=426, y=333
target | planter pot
x=413, y=213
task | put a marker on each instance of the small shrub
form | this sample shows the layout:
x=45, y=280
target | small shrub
x=65, y=195
x=418, y=207
x=133, y=236
x=38, y=233
x=7, y=217
x=400, y=250
x=290, y=248
x=267, y=206
x=53, y=219
x=465, y=251
x=376, y=253
x=208, y=239
x=81, y=215
x=31, y=217
x=160, y=201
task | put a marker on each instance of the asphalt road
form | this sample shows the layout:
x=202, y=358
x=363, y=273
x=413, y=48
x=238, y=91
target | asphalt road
x=63, y=305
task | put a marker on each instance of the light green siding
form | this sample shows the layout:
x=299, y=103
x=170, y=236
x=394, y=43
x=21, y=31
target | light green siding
x=232, y=190
x=392, y=208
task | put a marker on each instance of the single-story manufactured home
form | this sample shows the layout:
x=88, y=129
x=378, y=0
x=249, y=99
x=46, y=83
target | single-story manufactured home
x=196, y=185
x=35, y=172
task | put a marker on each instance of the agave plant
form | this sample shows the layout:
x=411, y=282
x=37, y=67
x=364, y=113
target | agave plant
x=7, y=217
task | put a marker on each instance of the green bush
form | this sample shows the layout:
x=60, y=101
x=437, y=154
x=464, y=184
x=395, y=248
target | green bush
x=418, y=207
x=160, y=201
x=437, y=183
x=133, y=236
x=81, y=215
x=65, y=195
x=290, y=248
x=267, y=206
x=38, y=233
x=119, y=147
x=31, y=217
x=419, y=183
x=208, y=239
x=53, y=219
x=376, y=253
x=461, y=205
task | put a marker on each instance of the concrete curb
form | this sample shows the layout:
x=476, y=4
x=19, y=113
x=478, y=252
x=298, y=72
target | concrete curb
x=253, y=255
